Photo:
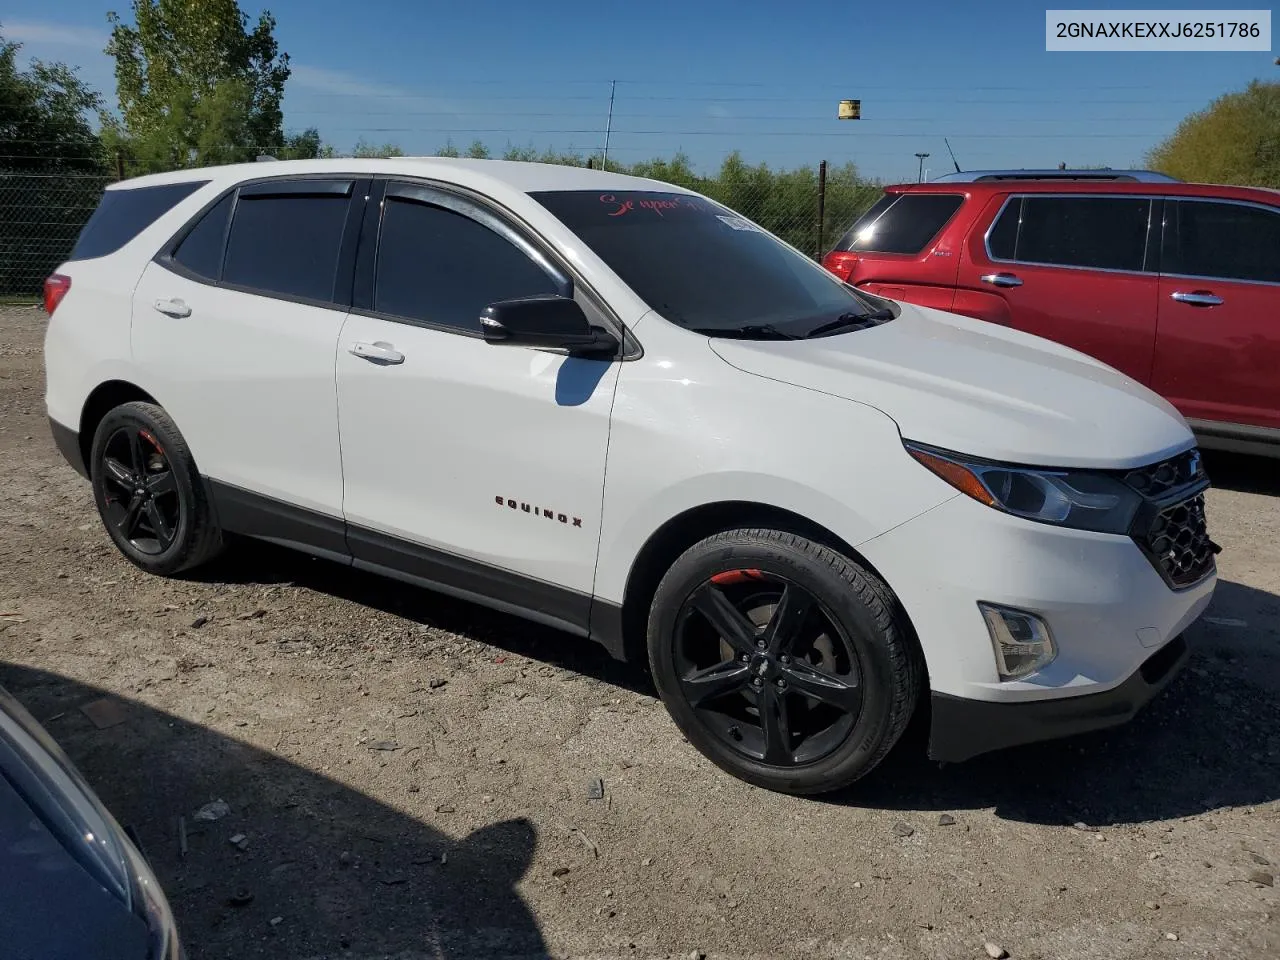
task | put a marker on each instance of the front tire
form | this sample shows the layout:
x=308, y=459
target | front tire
x=784, y=662
x=149, y=493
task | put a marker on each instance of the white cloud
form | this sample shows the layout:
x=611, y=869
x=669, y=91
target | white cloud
x=352, y=94
x=324, y=80
x=53, y=34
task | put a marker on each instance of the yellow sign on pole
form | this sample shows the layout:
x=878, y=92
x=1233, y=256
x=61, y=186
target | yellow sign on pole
x=850, y=110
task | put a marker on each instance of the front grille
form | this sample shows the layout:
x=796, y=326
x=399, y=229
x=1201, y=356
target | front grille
x=1171, y=528
x=1159, y=478
x=1177, y=542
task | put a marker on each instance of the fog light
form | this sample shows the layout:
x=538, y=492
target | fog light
x=1021, y=640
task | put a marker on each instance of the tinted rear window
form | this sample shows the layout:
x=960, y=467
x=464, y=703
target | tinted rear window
x=123, y=214
x=901, y=222
x=286, y=244
x=1086, y=231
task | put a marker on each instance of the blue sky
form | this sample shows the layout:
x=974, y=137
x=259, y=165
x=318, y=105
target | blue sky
x=709, y=77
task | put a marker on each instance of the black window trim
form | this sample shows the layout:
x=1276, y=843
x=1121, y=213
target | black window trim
x=1151, y=246
x=353, y=186
x=484, y=210
x=927, y=247
x=1166, y=231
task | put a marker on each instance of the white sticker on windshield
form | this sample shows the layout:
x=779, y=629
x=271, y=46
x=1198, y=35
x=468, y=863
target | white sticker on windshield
x=737, y=223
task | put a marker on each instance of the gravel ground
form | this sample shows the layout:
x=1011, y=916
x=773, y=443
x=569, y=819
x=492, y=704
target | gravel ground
x=410, y=776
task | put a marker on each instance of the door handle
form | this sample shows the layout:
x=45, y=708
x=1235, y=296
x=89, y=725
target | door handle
x=173, y=308
x=377, y=352
x=1001, y=280
x=1197, y=298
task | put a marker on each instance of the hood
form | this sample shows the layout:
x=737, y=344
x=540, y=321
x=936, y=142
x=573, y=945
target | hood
x=52, y=906
x=979, y=388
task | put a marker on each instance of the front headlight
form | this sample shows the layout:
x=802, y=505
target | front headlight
x=72, y=812
x=1081, y=499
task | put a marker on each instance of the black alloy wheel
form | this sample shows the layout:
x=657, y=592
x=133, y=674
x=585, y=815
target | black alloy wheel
x=140, y=493
x=766, y=669
x=785, y=662
x=149, y=492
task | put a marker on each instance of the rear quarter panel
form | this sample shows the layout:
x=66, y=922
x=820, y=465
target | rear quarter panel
x=87, y=341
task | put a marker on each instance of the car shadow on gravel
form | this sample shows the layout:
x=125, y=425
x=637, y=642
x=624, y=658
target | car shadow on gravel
x=263, y=563
x=1211, y=740
x=325, y=871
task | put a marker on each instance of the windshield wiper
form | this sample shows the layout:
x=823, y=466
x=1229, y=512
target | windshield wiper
x=850, y=320
x=749, y=331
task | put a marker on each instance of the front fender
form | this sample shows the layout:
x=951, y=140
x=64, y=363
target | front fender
x=728, y=436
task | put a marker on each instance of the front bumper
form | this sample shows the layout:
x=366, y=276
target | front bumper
x=961, y=729
x=1117, y=625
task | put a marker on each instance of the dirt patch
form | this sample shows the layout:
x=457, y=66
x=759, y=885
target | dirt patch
x=410, y=776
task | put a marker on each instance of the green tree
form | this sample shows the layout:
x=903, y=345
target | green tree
x=1236, y=140
x=677, y=170
x=365, y=150
x=44, y=117
x=52, y=170
x=195, y=85
x=306, y=145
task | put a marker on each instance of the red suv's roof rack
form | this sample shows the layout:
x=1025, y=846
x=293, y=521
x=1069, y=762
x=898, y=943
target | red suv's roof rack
x=978, y=176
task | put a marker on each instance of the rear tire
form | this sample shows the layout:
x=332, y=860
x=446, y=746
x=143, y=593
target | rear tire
x=149, y=493
x=784, y=662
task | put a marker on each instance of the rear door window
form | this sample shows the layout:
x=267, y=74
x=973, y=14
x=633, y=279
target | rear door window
x=286, y=238
x=1108, y=233
x=901, y=223
x=1228, y=241
x=124, y=213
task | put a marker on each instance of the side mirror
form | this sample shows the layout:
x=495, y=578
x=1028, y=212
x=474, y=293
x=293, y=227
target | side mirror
x=548, y=322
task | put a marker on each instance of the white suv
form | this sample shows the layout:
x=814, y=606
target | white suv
x=614, y=406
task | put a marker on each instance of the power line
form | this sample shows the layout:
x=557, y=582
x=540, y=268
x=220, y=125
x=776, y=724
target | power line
x=741, y=133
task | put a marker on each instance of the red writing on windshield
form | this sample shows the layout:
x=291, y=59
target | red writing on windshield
x=657, y=205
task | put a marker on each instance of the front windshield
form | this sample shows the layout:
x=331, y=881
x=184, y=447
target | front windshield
x=703, y=267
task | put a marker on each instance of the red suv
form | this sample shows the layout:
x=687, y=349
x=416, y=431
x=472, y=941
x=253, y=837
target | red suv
x=1176, y=284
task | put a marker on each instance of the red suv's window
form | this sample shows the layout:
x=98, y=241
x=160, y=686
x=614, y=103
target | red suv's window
x=901, y=223
x=1079, y=231
x=1232, y=241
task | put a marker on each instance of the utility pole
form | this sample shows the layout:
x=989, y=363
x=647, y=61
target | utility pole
x=920, y=173
x=608, y=127
x=822, y=204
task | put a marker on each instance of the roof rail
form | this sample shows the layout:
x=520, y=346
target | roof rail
x=979, y=176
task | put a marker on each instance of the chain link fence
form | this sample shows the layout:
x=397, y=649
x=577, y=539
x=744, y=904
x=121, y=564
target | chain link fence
x=41, y=214
x=40, y=217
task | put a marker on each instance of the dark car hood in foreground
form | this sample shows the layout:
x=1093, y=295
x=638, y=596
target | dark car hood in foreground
x=50, y=907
